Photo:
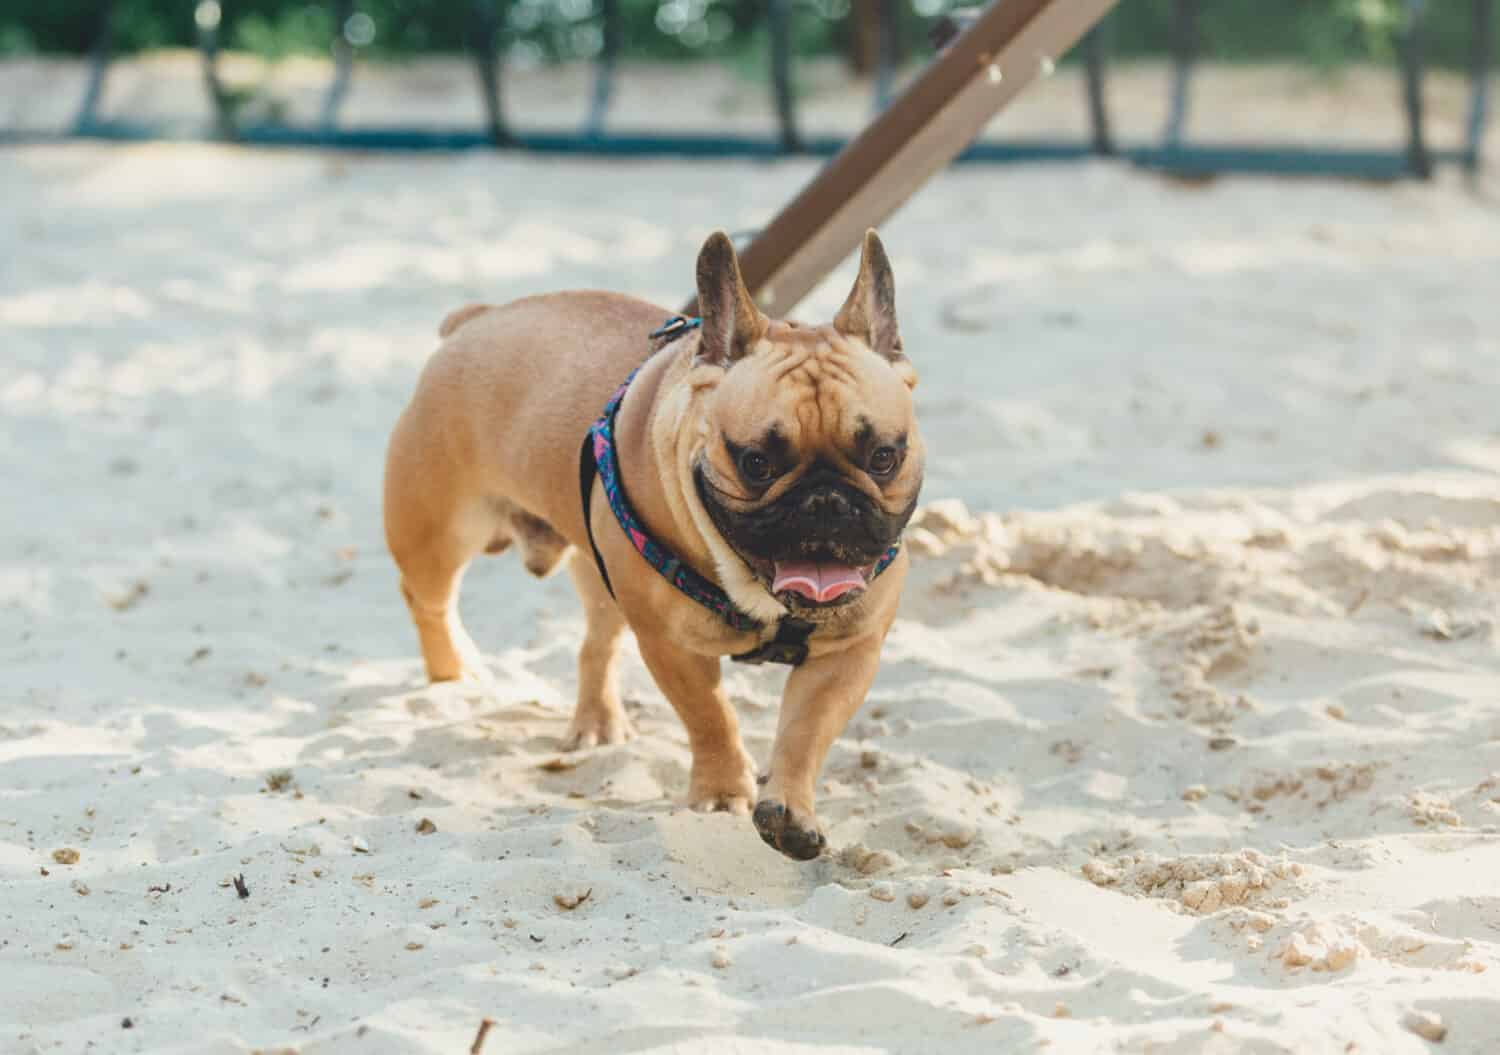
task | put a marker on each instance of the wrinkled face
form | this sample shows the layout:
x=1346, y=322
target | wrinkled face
x=812, y=461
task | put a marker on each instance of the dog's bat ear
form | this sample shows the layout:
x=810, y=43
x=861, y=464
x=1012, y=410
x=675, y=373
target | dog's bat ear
x=870, y=311
x=731, y=321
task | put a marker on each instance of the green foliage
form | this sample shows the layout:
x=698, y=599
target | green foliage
x=15, y=40
x=305, y=29
x=1325, y=33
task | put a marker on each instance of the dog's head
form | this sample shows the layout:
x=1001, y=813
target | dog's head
x=809, y=460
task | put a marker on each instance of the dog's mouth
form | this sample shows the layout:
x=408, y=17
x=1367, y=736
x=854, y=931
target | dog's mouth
x=818, y=581
x=801, y=555
x=813, y=582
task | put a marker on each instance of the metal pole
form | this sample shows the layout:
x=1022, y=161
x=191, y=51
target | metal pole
x=343, y=63
x=604, y=73
x=779, y=13
x=1481, y=47
x=1411, y=90
x=208, y=19
x=1184, y=53
x=889, y=48
x=484, y=41
x=1093, y=62
x=99, y=56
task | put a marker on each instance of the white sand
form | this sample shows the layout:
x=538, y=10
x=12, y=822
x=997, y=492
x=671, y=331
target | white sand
x=1188, y=740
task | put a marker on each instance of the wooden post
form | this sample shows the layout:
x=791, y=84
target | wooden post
x=1004, y=49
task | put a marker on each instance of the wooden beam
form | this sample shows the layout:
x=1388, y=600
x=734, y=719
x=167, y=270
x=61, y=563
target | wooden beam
x=1003, y=49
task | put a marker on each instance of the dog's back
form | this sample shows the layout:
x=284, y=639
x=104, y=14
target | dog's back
x=511, y=392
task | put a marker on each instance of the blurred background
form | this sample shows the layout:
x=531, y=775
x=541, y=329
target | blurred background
x=784, y=76
x=1214, y=571
x=1330, y=34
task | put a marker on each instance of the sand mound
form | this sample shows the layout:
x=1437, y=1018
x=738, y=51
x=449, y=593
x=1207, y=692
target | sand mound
x=1200, y=883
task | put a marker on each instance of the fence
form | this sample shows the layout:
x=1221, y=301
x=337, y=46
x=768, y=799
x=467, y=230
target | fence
x=1172, y=152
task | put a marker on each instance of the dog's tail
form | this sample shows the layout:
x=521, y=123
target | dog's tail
x=457, y=318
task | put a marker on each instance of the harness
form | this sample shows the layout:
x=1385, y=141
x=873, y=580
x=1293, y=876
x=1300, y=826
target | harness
x=597, y=460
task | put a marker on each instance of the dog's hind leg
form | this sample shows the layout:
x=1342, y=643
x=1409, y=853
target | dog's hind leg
x=433, y=536
x=599, y=717
x=431, y=573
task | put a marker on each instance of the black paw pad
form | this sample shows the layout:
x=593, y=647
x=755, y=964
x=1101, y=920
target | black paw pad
x=781, y=830
x=770, y=818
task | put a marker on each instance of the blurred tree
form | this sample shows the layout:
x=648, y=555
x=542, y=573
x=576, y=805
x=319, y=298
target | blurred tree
x=1327, y=33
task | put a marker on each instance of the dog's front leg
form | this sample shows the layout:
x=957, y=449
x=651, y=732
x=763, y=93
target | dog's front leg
x=723, y=776
x=821, y=696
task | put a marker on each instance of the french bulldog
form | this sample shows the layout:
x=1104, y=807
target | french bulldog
x=744, y=496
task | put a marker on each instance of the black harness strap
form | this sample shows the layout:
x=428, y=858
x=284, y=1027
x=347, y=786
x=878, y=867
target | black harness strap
x=588, y=466
x=789, y=646
x=588, y=472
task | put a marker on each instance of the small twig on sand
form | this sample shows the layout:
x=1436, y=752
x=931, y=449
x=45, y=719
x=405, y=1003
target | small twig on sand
x=1358, y=603
x=163, y=888
x=239, y=886
x=485, y=1026
x=898, y=939
x=568, y=902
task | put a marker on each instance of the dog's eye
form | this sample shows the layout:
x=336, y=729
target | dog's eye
x=755, y=467
x=883, y=461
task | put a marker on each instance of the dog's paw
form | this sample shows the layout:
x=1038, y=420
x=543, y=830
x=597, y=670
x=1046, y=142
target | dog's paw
x=727, y=788
x=722, y=802
x=594, y=727
x=786, y=830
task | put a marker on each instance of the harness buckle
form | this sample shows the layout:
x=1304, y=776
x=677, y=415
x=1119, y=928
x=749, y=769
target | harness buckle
x=789, y=646
x=673, y=326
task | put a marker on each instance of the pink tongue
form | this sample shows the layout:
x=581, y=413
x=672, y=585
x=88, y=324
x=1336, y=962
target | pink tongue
x=817, y=580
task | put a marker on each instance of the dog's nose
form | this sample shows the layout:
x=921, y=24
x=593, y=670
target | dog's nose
x=827, y=507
